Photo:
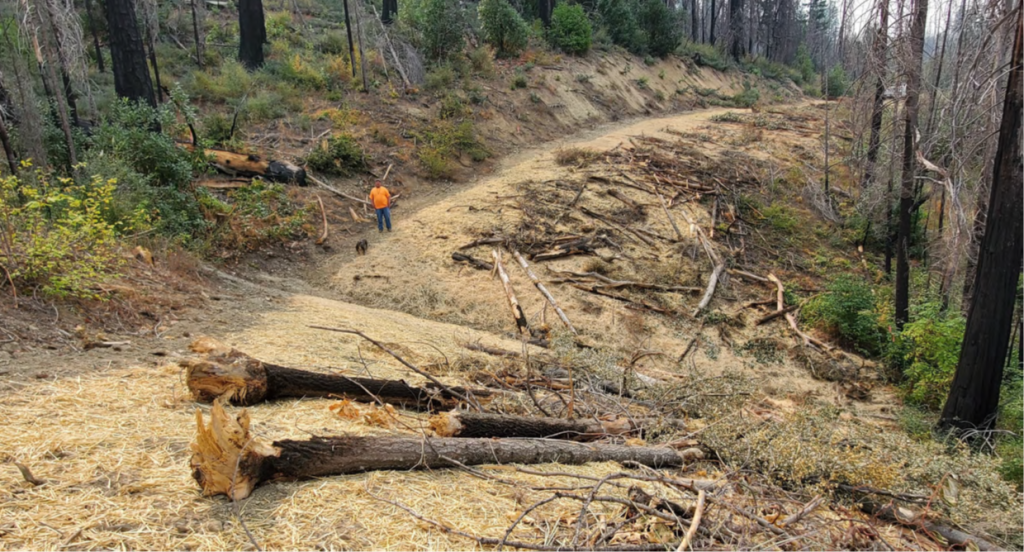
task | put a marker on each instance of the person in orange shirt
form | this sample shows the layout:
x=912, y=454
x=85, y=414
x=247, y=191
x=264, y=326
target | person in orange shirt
x=381, y=199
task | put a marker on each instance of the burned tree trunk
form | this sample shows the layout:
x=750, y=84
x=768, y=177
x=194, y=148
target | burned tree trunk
x=252, y=33
x=878, y=65
x=227, y=460
x=974, y=394
x=468, y=424
x=5, y=140
x=127, y=54
x=245, y=381
x=906, y=205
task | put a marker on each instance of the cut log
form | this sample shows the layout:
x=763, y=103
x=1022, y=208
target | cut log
x=244, y=380
x=472, y=261
x=227, y=460
x=513, y=302
x=471, y=424
x=633, y=303
x=544, y=291
x=907, y=517
x=238, y=164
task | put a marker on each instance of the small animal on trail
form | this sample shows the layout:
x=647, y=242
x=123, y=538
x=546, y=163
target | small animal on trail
x=361, y=246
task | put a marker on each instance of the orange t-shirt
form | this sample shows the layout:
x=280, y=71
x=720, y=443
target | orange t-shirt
x=380, y=197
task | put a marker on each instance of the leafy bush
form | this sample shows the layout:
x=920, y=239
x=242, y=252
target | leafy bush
x=570, y=29
x=340, y=155
x=503, y=28
x=619, y=17
x=333, y=43
x=780, y=217
x=519, y=80
x=440, y=78
x=847, y=312
x=482, y=61
x=931, y=349
x=442, y=26
x=442, y=142
x=260, y=213
x=661, y=27
x=705, y=55
x=748, y=97
x=836, y=82
x=55, y=236
x=230, y=81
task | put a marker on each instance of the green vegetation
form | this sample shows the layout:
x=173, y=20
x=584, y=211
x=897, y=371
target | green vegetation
x=442, y=142
x=660, y=26
x=619, y=18
x=846, y=311
x=503, y=28
x=570, y=29
x=442, y=26
x=340, y=155
x=705, y=55
x=836, y=82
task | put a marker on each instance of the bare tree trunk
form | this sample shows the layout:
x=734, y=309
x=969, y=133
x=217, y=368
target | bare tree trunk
x=974, y=395
x=5, y=139
x=95, y=36
x=714, y=18
x=351, y=45
x=902, y=314
x=195, y=32
x=47, y=74
x=694, y=22
x=878, y=63
x=362, y=57
x=938, y=74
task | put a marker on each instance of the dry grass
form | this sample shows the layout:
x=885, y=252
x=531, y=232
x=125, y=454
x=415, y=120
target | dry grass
x=579, y=157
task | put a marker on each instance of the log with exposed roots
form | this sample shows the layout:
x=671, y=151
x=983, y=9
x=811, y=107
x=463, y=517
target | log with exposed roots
x=244, y=380
x=227, y=460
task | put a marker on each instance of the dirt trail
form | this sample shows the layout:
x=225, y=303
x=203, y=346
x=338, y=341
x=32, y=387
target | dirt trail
x=109, y=430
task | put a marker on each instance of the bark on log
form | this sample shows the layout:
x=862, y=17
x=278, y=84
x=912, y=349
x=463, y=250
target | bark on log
x=470, y=424
x=907, y=517
x=543, y=291
x=244, y=380
x=227, y=460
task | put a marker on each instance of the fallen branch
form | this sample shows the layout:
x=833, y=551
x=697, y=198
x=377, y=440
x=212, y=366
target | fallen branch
x=916, y=520
x=27, y=475
x=637, y=304
x=773, y=315
x=334, y=190
x=543, y=291
x=716, y=260
x=698, y=511
x=781, y=305
x=513, y=303
x=474, y=262
x=225, y=443
x=243, y=380
x=323, y=215
x=672, y=221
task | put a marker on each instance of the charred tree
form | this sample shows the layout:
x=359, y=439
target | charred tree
x=127, y=54
x=906, y=206
x=714, y=19
x=252, y=31
x=196, y=6
x=736, y=27
x=544, y=9
x=694, y=22
x=974, y=394
x=351, y=44
x=389, y=10
x=878, y=64
x=227, y=460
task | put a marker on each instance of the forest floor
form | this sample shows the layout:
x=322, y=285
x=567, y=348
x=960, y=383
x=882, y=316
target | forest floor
x=103, y=416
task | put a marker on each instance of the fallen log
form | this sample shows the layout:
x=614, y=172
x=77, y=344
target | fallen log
x=244, y=380
x=472, y=261
x=232, y=163
x=472, y=424
x=773, y=315
x=634, y=303
x=337, y=192
x=716, y=260
x=781, y=305
x=227, y=460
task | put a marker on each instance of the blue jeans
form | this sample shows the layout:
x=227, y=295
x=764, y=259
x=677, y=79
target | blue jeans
x=383, y=215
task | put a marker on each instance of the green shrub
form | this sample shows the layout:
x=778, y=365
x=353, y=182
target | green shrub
x=452, y=106
x=333, y=43
x=1010, y=448
x=519, y=80
x=444, y=140
x=260, y=213
x=440, y=78
x=340, y=155
x=661, y=26
x=748, y=97
x=230, y=82
x=619, y=18
x=837, y=83
x=56, y=237
x=482, y=61
x=847, y=312
x=442, y=26
x=780, y=217
x=570, y=29
x=705, y=55
x=503, y=28
x=930, y=345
